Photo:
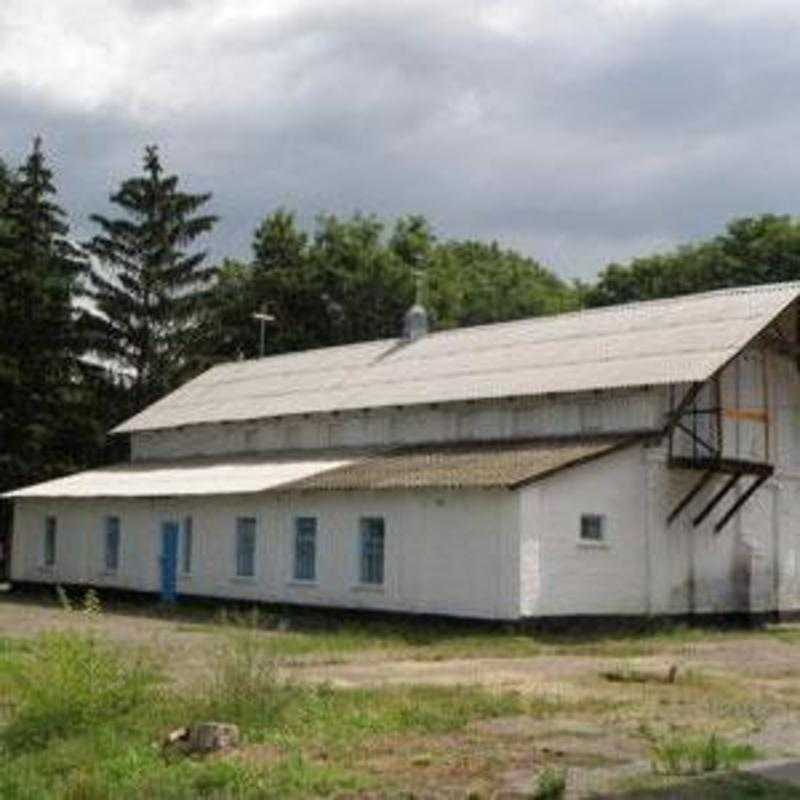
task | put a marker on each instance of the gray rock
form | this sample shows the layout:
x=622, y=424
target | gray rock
x=207, y=737
x=202, y=737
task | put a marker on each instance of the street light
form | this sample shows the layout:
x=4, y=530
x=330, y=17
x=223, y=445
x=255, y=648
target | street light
x=263, y=318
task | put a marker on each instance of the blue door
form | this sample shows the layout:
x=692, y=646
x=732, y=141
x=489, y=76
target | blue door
x=170, y=532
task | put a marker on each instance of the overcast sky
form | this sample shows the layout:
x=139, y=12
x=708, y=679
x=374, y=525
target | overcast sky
x=578, y=131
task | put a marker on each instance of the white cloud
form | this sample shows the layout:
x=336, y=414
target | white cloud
x=578, y=130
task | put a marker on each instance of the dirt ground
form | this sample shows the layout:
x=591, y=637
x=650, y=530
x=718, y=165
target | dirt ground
x=767, y=659
x=189, y=642
x=745, y=686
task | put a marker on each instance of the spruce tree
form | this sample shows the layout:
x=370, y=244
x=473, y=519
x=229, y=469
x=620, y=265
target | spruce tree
x=40, y=348
x=146, y=286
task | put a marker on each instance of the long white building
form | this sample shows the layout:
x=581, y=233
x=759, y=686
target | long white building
x=636, y=460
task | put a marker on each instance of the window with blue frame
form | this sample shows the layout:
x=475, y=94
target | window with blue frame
x=305, y=548
x=372, y=536
x=186, y=552
x=50, y=528
x=112, y=537
x=246, y=547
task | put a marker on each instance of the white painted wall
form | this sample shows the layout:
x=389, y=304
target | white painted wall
x=587, y=413
x=448, y=553
x=646, y=566
x=562, y=575
x=753, y=564
x=494, y=554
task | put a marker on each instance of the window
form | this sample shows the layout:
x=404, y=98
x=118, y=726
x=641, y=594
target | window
x=112, y=544
x=305, y=548
x=372, y=537
x=50, y=527
x=186, y=553
x=246, y=547
x=593, y=527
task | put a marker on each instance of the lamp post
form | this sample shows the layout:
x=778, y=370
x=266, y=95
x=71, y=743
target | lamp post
x=263, y=318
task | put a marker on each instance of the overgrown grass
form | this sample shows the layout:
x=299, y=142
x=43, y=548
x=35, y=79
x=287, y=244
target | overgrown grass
x=84, y=720
x=62, y=683
x=679, y=754
x=550, y=784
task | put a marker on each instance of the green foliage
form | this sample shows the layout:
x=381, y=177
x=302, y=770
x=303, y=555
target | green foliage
x=243, y=683
x=472, y=283
x=679, y=754
x=244, y=688
x=66, y=683
x=44, y=428
x=550, y=784
x=86, y=721
x=147, y=288
x=353, y=280
x=752, y=250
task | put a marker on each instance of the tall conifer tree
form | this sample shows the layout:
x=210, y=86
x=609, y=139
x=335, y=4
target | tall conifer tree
x=145, y=284
x=40, y=349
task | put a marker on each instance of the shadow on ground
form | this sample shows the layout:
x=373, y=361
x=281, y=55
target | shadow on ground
x=412, y=629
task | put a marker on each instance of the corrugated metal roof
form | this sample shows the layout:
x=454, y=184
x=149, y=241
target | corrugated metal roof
x=467, y=465
x=665, y=341
x=206, y=476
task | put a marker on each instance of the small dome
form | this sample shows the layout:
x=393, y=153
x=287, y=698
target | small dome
x=415, y=323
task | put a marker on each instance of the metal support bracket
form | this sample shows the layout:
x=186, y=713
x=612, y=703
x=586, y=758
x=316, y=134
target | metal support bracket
x=698, y=487
x=712, y=503
x=740, y=502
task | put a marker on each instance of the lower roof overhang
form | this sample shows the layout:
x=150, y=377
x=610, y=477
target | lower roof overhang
x=465, y=465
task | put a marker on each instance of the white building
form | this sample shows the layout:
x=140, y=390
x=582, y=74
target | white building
x=640, y=459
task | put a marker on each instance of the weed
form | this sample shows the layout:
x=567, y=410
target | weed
x=67, y=682
x=550, y=784
x=678, y=754
x=61, y=683
x=243, y=683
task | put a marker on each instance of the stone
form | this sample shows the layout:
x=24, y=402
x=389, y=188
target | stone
x=208, y=737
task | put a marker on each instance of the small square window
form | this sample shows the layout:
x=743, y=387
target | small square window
x=50, y=527
x=593, y=527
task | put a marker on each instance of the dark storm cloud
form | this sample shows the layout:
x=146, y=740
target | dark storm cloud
x=580, y=139
x=87, y=151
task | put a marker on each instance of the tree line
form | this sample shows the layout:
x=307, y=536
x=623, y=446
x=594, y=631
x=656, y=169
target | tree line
x=94, y=331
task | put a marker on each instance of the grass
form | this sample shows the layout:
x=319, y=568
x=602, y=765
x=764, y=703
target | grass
x=83, y=720
x=305, y=634
x=300, y=635
x=309, y=634
x=550, y=784
x=679, y=754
